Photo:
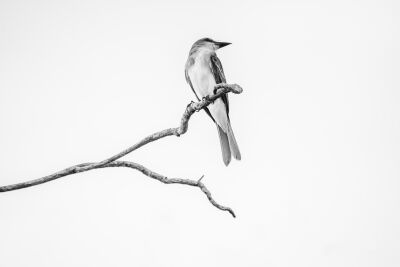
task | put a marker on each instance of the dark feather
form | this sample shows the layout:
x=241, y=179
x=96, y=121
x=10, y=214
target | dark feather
x=219, y=77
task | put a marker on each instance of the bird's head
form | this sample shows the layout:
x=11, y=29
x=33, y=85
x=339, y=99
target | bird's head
x=207, y=45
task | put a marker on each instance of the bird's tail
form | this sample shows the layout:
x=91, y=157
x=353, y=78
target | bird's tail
x=229, y=146
x=232, y=143
x=224, y=141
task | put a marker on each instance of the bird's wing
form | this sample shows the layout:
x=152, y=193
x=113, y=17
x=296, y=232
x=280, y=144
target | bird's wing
x=219, y=77
x=189, y=63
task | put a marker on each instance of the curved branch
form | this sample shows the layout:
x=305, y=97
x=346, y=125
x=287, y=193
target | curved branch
x=193, y=107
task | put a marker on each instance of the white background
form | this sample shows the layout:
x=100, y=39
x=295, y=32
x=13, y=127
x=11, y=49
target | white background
x=318, y=127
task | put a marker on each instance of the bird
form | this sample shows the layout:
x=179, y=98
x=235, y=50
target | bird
x=203, y=70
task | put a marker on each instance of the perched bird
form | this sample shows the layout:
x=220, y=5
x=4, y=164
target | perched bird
x=203, y=71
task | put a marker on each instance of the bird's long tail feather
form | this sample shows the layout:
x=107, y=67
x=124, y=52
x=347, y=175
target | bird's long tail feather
x=232, y=143
x=224, y=140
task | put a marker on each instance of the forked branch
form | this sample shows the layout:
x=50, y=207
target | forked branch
x=220, y=89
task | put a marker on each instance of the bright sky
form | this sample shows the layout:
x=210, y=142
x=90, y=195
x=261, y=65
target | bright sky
x=318, y=127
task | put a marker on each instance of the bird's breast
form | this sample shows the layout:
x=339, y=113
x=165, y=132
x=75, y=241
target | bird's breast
x=202, y=79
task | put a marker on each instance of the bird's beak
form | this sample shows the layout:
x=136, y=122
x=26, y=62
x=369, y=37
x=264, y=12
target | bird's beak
x=222, y=44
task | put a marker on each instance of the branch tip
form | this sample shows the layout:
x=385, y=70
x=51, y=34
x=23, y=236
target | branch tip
x=201, y=178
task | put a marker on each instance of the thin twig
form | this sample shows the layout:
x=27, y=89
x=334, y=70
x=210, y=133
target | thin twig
x=220, y=89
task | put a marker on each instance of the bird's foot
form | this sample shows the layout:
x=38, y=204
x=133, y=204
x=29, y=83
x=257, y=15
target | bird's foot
x=191, y=103
x=207, y=98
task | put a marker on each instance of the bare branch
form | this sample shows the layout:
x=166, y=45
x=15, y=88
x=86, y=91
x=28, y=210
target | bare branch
x=219, y=90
